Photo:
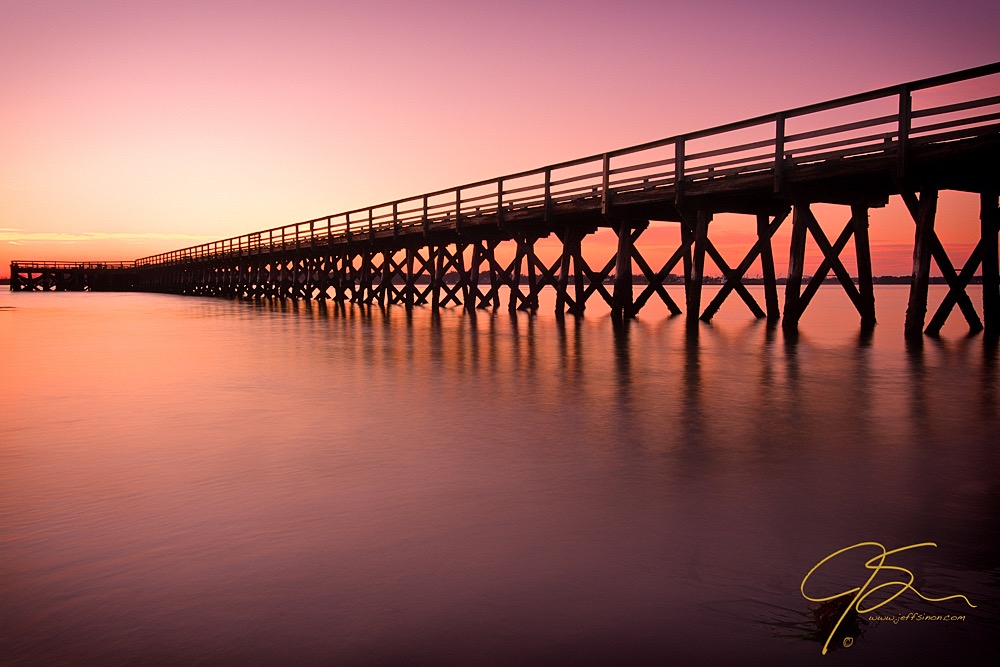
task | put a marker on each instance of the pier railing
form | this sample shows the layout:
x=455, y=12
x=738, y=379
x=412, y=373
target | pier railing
x=26, y=264
x=889, y=123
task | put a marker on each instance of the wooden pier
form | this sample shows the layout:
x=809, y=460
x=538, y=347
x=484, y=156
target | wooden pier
x=441, y=248
x=32, y=276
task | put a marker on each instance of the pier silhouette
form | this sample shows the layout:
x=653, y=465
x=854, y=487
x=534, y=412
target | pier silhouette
x=440, y=248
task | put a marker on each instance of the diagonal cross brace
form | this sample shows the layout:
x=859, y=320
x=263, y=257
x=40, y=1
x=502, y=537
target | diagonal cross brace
x=597, y=281
x=734, y=277
x=654, y=282
x=955, y=292
x=738, y=285
x=831, y=260
x=956, y=288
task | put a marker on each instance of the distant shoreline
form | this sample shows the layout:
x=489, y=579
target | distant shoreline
x=451, y=278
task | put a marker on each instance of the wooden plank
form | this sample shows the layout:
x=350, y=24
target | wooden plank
x=960, y=106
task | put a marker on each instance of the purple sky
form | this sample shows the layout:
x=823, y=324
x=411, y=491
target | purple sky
x=129, y=128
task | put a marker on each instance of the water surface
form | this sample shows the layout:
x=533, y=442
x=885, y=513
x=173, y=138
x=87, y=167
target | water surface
x=221, y=481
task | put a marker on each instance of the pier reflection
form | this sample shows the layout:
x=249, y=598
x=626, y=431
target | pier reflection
x=323, y=482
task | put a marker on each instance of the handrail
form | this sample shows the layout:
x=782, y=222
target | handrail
x=599, y=183
x=28, y=264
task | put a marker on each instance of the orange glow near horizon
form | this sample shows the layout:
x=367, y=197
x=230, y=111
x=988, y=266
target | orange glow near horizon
x=133, y=130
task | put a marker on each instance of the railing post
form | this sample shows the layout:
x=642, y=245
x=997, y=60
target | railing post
x=903, y=133
x=779, y=153
x=605, y=183
x=458, y=208
x=679, y=171
x=499, y=202
x=548, y=193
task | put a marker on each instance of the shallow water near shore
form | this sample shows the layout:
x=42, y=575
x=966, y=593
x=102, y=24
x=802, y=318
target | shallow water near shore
x=224, y=481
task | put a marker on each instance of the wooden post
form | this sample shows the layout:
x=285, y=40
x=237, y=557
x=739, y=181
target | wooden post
x=679, y=171
x=687, y=240
x=548, y=193
x=862, y=249
x=903, y=131
x=563, y=285
x=532, y=303
x=493, y=297
x=796, y=264
x=767, y=269
x=279, y=278
x=474, y=295
x=605, y=184
x=365, y=285
x=464, y=274
x=382, y=296
x=437, y=279
x=579, y=289
x=695, y=278
x=989, y=220
x=427, y=266
x=916, y=309
x=410, y=288
x=515, y=274
x=779, y=153
x=622, y=308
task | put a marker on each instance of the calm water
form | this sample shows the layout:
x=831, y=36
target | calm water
x=202, y=480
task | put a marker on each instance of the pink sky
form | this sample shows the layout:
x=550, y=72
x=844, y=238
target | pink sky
x=131, y=128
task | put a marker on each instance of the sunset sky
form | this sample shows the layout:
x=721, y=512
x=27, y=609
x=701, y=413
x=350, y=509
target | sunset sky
x=131, y=128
